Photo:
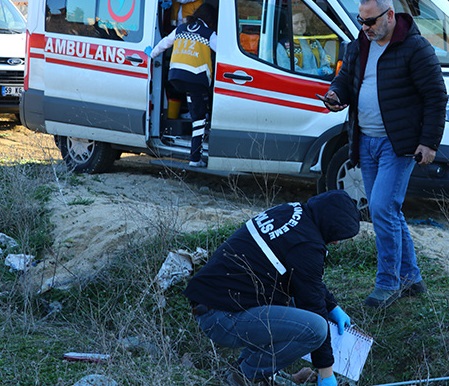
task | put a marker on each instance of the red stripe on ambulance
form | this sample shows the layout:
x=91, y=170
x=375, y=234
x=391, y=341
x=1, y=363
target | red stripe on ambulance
x=275, y=82
x=264, y=99
x=96, y=68
x=92, y=56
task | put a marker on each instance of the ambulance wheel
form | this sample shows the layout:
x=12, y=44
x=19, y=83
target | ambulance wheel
x=341, y=176
x=85, y=155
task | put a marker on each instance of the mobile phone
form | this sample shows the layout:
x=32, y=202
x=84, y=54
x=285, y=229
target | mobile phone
x=331, y=102
x=417, y=157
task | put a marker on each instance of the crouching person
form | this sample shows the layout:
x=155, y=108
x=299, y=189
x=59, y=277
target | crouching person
x=262, y=290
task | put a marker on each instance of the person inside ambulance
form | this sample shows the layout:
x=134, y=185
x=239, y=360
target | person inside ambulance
x=249, y=32
x=309, y=55
x=191, y=69
x=175, y=14
x=181, y=9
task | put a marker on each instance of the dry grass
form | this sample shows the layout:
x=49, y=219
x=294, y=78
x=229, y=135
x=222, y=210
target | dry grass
x=151, y=336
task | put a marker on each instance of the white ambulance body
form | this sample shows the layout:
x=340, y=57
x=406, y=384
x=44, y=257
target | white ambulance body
x=89, y=83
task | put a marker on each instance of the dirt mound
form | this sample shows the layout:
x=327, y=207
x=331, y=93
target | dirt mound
x=96, y=220
x=101, y=215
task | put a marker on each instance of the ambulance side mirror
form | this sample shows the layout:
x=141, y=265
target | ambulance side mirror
x=341, y=55
x=342, y=50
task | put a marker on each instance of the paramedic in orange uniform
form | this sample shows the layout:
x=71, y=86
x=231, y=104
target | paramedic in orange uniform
x=181, y=9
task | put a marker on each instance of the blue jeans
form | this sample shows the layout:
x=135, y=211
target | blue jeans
x=386, y=177
x=272, y=337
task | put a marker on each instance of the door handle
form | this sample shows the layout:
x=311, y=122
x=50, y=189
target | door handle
x=134, y=59
x=238, y=76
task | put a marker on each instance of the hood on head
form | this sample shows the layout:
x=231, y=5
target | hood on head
x=335, y=214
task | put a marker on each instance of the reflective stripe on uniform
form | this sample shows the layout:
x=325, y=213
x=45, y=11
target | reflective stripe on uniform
x=200, y=122
x=265, y=248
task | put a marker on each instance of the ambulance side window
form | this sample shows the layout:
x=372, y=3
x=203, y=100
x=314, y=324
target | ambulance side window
x=249, y=16
x=288, y=35
x=96, y=18
x=309, y=46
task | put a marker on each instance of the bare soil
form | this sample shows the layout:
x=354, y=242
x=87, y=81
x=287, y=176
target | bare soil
x=104, y=213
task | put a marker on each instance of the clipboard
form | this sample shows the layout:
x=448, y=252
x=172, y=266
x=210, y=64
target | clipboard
x=350, y=351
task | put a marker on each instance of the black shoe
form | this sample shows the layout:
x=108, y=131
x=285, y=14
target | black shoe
x=415, y=289
x=381, y=298
x=233, y=377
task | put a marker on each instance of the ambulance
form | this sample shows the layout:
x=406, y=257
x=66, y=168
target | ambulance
x=89, y=84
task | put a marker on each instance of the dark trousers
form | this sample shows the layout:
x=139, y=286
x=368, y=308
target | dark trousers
x=198, y=102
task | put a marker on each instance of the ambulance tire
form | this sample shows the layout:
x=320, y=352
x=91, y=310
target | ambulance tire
x=86, y=156
x=341, y=175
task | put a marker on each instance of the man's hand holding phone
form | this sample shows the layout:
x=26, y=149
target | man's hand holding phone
x=331, y=101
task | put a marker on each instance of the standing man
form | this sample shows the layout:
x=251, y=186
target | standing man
x=262, y=289
x=392, y=81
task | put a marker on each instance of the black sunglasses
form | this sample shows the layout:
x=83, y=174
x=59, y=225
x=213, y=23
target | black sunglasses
x=371, y=20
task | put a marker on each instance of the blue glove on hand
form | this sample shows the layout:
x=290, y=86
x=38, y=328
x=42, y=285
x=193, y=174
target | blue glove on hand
x=329, y=381
x=165, y=4
x=148, y=50
x=340, y=317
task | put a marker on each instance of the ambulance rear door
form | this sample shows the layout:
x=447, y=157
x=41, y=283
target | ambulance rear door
x=266, y=116
x=96, y=78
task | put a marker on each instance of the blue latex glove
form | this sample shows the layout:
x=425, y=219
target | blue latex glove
x=148, y=50
x=165, y=4
x=340, y=317
x=329, y=381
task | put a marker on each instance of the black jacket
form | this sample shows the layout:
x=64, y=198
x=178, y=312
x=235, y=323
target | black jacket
x=410, y=86
x=239, y=275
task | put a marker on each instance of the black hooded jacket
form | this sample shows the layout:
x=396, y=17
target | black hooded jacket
x=240, y=276
x=410, y=86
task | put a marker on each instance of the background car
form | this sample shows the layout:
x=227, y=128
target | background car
x=12, y=56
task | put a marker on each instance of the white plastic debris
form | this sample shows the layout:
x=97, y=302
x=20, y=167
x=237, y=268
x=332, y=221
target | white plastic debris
x=7, y=241
x=198, y=255
x=19, y=262
x=177, y=266
x=86, y=357
x=96, y=380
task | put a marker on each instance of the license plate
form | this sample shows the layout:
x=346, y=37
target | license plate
x=11, y=90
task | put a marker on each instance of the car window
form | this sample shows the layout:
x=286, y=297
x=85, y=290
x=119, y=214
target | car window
x=11, y=21
x=432, y=22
